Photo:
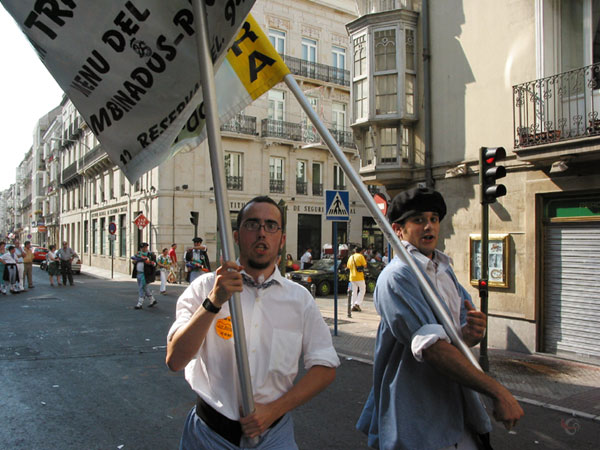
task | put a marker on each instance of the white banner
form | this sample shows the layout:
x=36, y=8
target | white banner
x=129, y=67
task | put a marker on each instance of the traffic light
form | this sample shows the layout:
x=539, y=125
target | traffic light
x=194, y=218
x=489, y=173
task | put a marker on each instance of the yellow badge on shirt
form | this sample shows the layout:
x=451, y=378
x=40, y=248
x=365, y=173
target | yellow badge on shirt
x=223, y=328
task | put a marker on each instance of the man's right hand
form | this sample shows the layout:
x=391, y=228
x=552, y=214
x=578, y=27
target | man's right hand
x=506, y=409
x=228, y=281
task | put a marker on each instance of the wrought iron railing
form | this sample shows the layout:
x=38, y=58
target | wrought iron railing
x=69, y=172
x=281, y=129
x=92, y=155
x=317, y=71
x=301, y=187
x=235, y=183
x=317, y=189
x=557, y=108
x=277, y=186
x=339, y=187
x=343, y=138
x=241, y=124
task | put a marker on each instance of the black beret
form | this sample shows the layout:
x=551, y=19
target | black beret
x=416, y=200
x=143, y=244
x=197, y=239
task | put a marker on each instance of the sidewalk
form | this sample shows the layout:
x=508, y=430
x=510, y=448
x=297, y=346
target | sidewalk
x=563, y=385
x=542, y=380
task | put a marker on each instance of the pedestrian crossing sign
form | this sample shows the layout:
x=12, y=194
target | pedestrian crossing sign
x=337, y=205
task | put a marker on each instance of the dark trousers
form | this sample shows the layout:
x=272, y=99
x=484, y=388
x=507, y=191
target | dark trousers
x=65, y=270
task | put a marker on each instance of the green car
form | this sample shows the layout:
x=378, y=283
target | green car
x=319, y=278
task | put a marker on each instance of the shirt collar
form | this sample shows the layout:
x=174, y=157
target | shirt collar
x=440, y=260
x=276, y=276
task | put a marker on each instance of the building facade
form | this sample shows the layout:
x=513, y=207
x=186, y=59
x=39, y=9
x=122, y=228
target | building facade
x=521, y=75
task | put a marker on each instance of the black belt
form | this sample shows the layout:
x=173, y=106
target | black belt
x=228, y=429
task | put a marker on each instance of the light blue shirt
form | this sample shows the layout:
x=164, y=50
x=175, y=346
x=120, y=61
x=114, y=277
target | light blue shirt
x=411, y=405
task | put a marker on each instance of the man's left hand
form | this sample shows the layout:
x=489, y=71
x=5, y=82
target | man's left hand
x=259, y=421
x=474, y=330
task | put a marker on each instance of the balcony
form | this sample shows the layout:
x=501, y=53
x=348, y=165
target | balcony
x=301, y=187
x=281, y=129
x=235, y=183
x=556, y=109
x=343, y=138
x=69, y=173
x=317, y=71
x=277, y=186
x=317, y=189
x=339, y=187
x=241, y=124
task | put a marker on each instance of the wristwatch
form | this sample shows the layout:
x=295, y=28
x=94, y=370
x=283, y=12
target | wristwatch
x=210, y=307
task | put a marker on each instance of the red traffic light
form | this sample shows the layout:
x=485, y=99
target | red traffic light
x=489, y=173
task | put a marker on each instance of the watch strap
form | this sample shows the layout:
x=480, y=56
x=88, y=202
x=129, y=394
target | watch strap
x=210, y=307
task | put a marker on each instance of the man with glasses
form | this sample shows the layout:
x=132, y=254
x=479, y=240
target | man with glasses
x=281, y=320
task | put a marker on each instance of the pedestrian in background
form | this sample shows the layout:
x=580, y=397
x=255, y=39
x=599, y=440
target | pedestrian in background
x=18, y=256
x=28, y=265
x=53, y=265
x=357, y=266
x=174, y=264
x=306, y=259
x=144, y=270
x=196, y=260
x=423, y=393
x=11, y=273
x=2, y=267
x=164, y=265
x=66, y=256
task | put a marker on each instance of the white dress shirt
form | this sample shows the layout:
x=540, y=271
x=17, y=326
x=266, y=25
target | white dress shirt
x=281, y=323
x=436, y=269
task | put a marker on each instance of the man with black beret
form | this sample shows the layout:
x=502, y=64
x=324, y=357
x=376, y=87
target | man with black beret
x=420, y=397
x=196, y=260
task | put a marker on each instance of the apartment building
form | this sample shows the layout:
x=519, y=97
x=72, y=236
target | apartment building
x=432, y=82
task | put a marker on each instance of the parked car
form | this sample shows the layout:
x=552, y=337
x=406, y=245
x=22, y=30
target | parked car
x=39, y=254
x=75, y=265
x=319, y=278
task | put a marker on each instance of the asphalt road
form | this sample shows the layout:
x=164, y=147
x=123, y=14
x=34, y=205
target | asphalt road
x=81, y=369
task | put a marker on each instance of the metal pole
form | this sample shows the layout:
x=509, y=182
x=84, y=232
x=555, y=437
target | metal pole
x=483, y=282
x=218, y=173
x=335, y=280
x=112, y=257
x=430, y=295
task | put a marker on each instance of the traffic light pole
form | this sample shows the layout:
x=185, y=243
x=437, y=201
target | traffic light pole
x=483, y=283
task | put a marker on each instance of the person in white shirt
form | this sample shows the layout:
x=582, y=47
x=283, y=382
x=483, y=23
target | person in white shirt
x=18, y=256
x=281, y=322
x=11, y=273
x=306, y=259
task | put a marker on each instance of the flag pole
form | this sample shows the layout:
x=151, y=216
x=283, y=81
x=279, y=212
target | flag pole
x=430, y=295
x=222, y=202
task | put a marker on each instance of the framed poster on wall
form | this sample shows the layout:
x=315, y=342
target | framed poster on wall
x=498, y=262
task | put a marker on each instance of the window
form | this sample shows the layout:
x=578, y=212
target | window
x=121, y=184
x=367, y=156
x=276, y=105
x=301, y=177
x=317, y=178
x=309, y=132
x=360, y=82
x=86, y=237
x=101, y=183
x=338, y=118
x=102, y=234
x=276, y=175
x=95, y=236
x=411, y=71
x=339, y=181
x=122, y=235
x=277, y=39
x=338, y=61
x=389, y=146
x=111, y=184
x=233, y=171
x=386, y=72
x=309, y=50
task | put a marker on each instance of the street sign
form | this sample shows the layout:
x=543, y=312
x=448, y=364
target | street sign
x=42, y=229
x=112, y=228
x=381, y=202
x=112, y=237
x=141, y=221
x=337, y=205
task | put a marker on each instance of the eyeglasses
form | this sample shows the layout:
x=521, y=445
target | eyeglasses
x=270, y=226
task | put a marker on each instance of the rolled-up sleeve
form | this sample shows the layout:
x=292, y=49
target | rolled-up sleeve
x=317, y=345
x=425, y=337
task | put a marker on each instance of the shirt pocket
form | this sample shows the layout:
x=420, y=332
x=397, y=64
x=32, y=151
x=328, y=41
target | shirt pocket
x=286, y=347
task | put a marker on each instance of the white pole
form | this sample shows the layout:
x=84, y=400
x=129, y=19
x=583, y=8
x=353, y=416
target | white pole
x=433, y=300
x=207, y=80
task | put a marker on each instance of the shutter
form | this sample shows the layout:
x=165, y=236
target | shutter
x=572, y=288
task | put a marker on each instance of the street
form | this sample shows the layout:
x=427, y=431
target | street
x=80, y=368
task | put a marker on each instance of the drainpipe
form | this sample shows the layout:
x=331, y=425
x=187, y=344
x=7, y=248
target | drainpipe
x=430, y=182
